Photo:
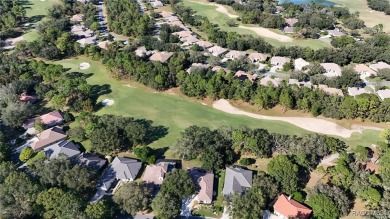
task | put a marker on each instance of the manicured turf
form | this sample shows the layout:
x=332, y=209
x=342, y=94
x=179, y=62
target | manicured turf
x=370, y=17
x=221, y=19
x=177, y=112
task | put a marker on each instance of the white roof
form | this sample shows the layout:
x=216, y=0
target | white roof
x=279, y=60
x=354, y=91
x=235, y=54
x=379, y=65
x=217, y=50
x=384, y=94
x=300, y=63
x=332, y=69
x=270, y=80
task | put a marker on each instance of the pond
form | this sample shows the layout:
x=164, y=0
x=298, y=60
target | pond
x=325, y=2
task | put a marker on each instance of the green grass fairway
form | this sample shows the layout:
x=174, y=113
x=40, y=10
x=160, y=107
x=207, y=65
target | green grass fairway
x=178, y=112
x=370, y=17
x=220, y=19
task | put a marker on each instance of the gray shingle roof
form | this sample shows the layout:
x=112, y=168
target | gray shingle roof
x=67, y=148
x=91, y=160
x=236, y=180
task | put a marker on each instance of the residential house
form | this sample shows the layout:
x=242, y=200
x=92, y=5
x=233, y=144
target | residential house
x=217, y=68
x=48, y=137
x=364, y=71
x=269, y=80
x=104, y=44
x=25, y=98
x=237, y=180
x=205, y=181
x=279, y=60
x=121, y=169
x=87, y=41
x=154, y=174
x=244, y=76
x=189, y=40
x=156, y=4
x=379, y=66
x=258, y=57
x=383, y=94
x=300, y=63
x=288, y=29
x=332, y=69
x=166, y=14
x=286, y=207
x=300, y=83
x=183, y=33
x=217, y=50
x=77, y=18
x=91, y=160
x=171, y=19
x=234, y=54
x=161, y=56
x=10, y=43
x=197, y=65
x=49, y=119
x=204, y=44
x=330, y=90
x=141, y=51
x=177, y=23
x=355, y=91
x=66, y=148
x=336, y=32
x=291, y=21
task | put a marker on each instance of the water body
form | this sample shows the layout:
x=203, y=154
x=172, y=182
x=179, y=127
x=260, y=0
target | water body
x=325, y=2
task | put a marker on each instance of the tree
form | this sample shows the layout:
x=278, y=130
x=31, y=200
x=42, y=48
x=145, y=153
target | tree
x=385, y=135
x=323, y=207
x=99, y=210
x=26, y=154
x=285, y=172
x=166, y=206
x=178, y=183
x=39, y=125
x=133, y=197
x=15, y=114
x=145, y=154
x=360, y=153
x=249, y=205
x=76, y=134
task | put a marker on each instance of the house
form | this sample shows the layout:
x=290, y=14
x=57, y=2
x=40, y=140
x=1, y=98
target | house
x=66, y=148
x=48, y=137
x=286, y=207
x=81, y=31
x=154, y=174
x=258, y=57
x=189, y=40
x=204, y=44
x=121, y=169
x=197, y=65
x=157, y=4
x=166, y=14
x=237, y=180
x=268, y=80
x=87, y=41
x=279, y=60
x=171, y=19
x=49, y=119
x=141, y=51
x=205, y=181
x=364, y=71
x=336, y=32
x=291, y=21
x=217, y=50
x=288, y=29
x=355, y=91
x=104, y=44
x=332, y=69
x=179, y=24
x=383, y=94
x=217, y=68
x=161, y=56
x=300, y=83
x=234, y=54
x=244, y=76
x=183, y=33
x=91, y=160
x=10, y=43
x=379, y=66
x=300, y=63
x=25, y=98
x=330, y=90
x=77, y=18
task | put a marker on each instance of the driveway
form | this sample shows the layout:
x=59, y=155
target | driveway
x=16, y=151
x=225, y=214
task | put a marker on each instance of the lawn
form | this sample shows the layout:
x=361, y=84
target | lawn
x=370, y=17
x=176, y=111
x=220, y=19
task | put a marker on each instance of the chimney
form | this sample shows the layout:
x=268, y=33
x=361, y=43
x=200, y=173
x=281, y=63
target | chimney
x=289, y=198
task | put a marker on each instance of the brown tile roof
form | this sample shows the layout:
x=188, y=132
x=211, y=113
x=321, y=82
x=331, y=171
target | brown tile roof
x=253, y=57
x=155, y=173
x=54, y=118
x=206, y=184
x=290, y=208
x=48, y=137
x=161, y=56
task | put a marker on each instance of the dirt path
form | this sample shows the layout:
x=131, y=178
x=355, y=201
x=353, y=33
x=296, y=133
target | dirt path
x=264, y=32
x=311, y=124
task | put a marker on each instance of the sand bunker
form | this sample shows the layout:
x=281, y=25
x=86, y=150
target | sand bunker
x=264, y=32
x=310, y=124
x=84, y=66
x=107, y=102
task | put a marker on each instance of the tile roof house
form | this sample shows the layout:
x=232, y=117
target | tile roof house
x=154, y=174
x=189, y=40
x=336, y=32
x=141, y=51
x=204, y=44
x=197, y=65
x=268, y=80
x=157, y=4
x=236, y=180
x=161, y=56
x=279, y=60
x=77, y=18
x=300, y=63
x=67, y=148
x=355, y=91
x=299, y=83
x=183, y=33
x=104, y=44
x=91, y=160
x=364, y=71
x=171, y=19
x=87, y=41
x=330, y=90
x=25, y=98
x=383, y=94
x=291, y=21
x=243, y=76
x=48, y=137
x=205, y=181
x=177, y=23
x=286, y=207
x=166, y=14
x=234, y=54
x=217, y=68
x=332, y=69
x=379, y=66
x=123, y=169
x=217, y=50
x=257, y=57
x=49, y=119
